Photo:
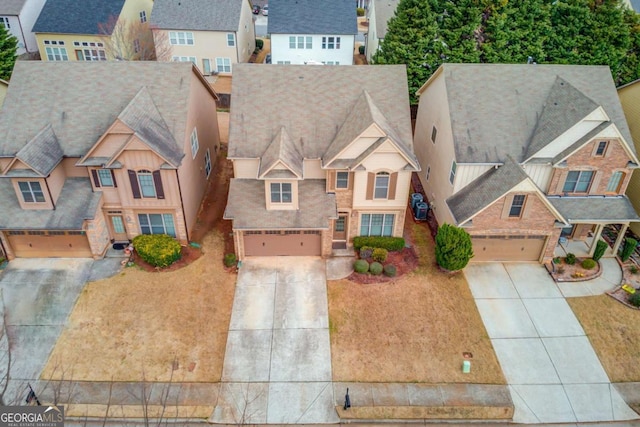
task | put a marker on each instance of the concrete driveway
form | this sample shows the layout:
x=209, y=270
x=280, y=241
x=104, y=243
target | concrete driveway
x=553, y=372
x=277, y=366
x=39, y=295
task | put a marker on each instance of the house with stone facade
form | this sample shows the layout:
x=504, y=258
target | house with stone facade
x=320, y=155
x=525, y=156
x=97, y=153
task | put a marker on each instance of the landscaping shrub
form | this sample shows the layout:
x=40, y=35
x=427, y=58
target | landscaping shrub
x=601, y=246
x=379, y=254
x=366, y=252
x=259, y=44
x=633, y=269
x=361, y=50
x=230, y=260
x=588, y=264
x=375, y=268
x=388, y=243
x=557, y=260
x=390, y=270
x=629, y=246
x=360, y=11
x=570, y=259
x=159, y=250
x=453, y=247
x=361, y=266
x=634, y=299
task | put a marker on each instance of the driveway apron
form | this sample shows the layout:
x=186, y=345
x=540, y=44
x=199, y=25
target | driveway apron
x=277, y=366
x=553, y=372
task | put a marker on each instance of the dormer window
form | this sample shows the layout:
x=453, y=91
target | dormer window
x=281, y=192
x=31, y=191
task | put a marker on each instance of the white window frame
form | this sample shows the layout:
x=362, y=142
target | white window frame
x=207, y=162
x=195, y=145
x=516, y=209
x=231, y=39
x=105, y=174
x=283, y=62
x=191, y=59
x=381, y=182
x=91, y=55
x=181, y=38
x=206, y=65
x=578, y=181
x=388, y=222
x=331, y=42
x=345, y=180
x=166, y=219
x=4, y=21
x=223, y=65
x=615, y=181
x=148, y=177
x=31, y=192
x=56, y=53
x=143, y=16
x=278, y=188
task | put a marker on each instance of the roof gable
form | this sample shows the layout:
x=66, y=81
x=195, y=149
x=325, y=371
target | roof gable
x=282, y=151
x=205, y=15
x=77, y=17
x=305, y=17
x=42, y=153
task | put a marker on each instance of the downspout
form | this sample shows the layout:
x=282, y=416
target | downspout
x=184, y=216
x=24, y=39
x=235, y=35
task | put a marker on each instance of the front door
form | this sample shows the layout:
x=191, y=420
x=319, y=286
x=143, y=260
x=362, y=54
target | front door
x=117, y=228
x=340, y=227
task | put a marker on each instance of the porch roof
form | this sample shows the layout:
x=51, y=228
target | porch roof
x=595, y=209
x=246, y=206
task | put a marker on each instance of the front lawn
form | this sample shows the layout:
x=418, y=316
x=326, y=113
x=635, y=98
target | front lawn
x=413, y=329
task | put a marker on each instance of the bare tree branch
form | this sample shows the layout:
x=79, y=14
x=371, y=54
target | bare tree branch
x=133, y=40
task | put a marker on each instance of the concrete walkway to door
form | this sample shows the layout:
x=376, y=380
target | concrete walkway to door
x=277, y=366
x=554, y=375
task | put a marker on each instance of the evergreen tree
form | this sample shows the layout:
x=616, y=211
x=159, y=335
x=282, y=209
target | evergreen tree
x=8, y=49
x=453, y=247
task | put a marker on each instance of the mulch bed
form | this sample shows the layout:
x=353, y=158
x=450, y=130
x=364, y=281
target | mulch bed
x=573, y=273
x=189, y=254
x=405, y=262
x=628, y=278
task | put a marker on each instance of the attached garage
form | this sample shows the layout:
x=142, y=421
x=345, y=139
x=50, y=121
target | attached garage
x=508, y=248
x=49, y=244
x=287, y=242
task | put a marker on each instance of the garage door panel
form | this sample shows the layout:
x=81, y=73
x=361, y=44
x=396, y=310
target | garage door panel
x=291, y=243
x=508, y=248
x=56, y=245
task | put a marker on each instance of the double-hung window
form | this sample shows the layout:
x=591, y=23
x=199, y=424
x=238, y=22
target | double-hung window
x=578, y=182
x=104, y=178
x=330, y=42
x=54, y=51
x=381, y=187
x=147, y=186
x=517, y=204
x=614, y=182
x=231, y=39
x=31, y=191
x=223, y=65
x=157, y=224
x=376, y=224
x=281, y=192
x=452, y=173
x=185, y=59
x=181, y=38
x=143, y=16
x=4, y=21
x=342, y=179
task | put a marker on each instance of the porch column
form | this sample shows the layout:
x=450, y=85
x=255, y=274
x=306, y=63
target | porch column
x=623, y=229
x=596, y=237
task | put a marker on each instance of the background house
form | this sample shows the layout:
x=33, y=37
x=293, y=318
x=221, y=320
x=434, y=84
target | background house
x=313, y=171
x=69, y=30
x=213, y=34
x=378, y=15
x=102, y=152
x=630, y=99
x=522, y=155
x=304, y=31
x=18, y=16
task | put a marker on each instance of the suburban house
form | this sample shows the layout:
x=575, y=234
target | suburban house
x=378, y=15
x=307, y=32
x=70, y=30
x=213, y=34
x=630, y=98
x=309, y=176
x=18, y=17
x=98, y=153
x=525, y=156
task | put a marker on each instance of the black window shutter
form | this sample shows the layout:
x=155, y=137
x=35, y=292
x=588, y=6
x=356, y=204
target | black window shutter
x=113, y=177
x=157, y=180
x=135, y=188
x=96, y=180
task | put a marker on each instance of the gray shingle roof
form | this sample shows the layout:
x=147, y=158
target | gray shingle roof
x=42, y=153
x=485, y=190
x=283, y=149
x=246, y=206
x=11, y=7
x=495, y=108
x=82, y=99
x=211, y=15
x=385, y=9
x=564, y=107
x=142, y=116
x=76, y=17
x=297, y=98
x=311, y=17
x=76, y=202
x=595, y=208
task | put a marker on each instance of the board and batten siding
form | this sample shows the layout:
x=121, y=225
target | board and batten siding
x=540, y=174
x=567, y=139
x=467, y=173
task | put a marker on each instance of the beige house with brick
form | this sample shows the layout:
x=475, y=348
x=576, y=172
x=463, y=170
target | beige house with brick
x=525, y=156
x=320, y=155
x=128, y=151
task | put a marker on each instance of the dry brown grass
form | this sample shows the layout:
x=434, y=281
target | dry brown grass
x=414, y=329
x=138, y=321
x=613, y=331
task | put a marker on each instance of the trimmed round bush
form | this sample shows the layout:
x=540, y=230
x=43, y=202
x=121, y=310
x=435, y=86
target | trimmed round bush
x=570, y=259
x=360, y=11
x=390, y=270
x=259, y=44
x=389, y=243
x=361, y=266
x=588, y=264
x=379, y=254
x=230, y=260
x=375, y=268
x=361, y=50
x=159, y=250
x=634, y=299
